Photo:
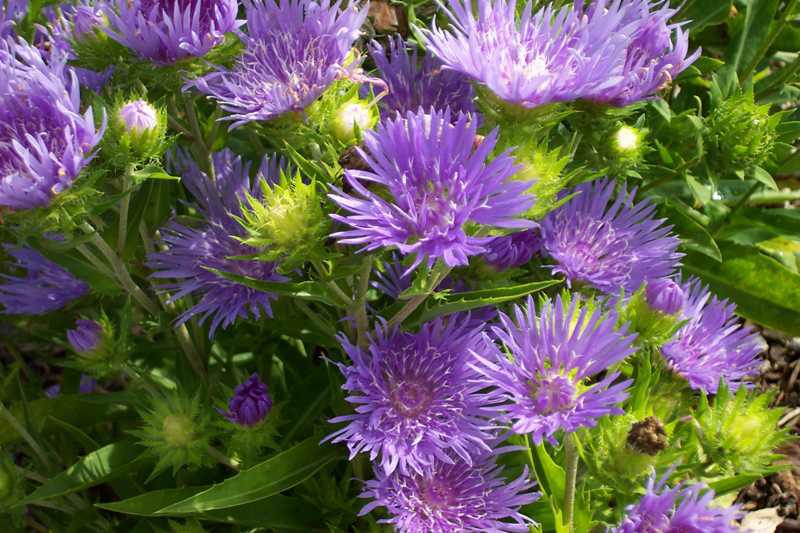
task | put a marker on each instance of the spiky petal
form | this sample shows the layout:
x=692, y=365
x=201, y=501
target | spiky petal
x=609, y=243
x=294, y=50
x=416, y=397
x=45, y=287
x=45, y=140
x=713, y=344
x=553, y=353
x=437, y=184
x=193, y=251
x=452, y=495
x=165, y=31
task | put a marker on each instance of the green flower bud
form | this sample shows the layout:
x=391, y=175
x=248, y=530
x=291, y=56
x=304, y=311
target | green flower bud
x=98, y=352
x=137, y=131
x=287, y=222
x=627, y=142
x=352, y=118
x=740, y=134
x=653, y=312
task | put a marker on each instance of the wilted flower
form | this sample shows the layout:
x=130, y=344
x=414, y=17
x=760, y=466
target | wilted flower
x=294, y=49
x=413, y=85
x=417, y=397
x=452, y=495
x=713, y=344
x=45, y=286
x=191, y=251
x=166, y=31
x=609, y=244
x=615, y=52
x=44, y=139
x=512, y=251
x=685, y=508
x=250, y=403
x=554, y=353
x=86, y=336
x=664, y=295
x=438, y=185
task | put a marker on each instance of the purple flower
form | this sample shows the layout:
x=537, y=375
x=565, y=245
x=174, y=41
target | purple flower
x=166, y=31
x=554, y=353
x=45, y=286
x=417, y=397
x=437, y=185
x=192, y=251
x=413, y=85
x=86, y=336
x=616, y=52
x=138, y=116
x=44, y=139
x=294, y=49
x=664, y=295
x=87, y=385
x=512, y=251
x=683, y=508
x=452, y=495
x=609, y=244
x=10, y=12
x=250, y=403
x=713, y=344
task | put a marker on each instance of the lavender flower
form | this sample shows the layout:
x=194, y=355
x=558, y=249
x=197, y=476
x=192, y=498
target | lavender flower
x=553, y=354
x=615, y=52
x=192, y=251
x=664, y=295
x=437, y=184
x=452, y=495
x=609, y=244
x=10, y=12
x=413, y=85
x=86, y=336
x=250, y=403
x=45, y=287
x=166, y=31
x=416, y=396
x=512, y=251
x=44, y=139
x=294, y=49
x=712, y=345
x=684, y=508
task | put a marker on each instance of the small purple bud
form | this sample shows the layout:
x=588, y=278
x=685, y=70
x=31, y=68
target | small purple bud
x=250, y=403
x=53, y=390
x=664, y=295
x=138, y=116
x=513, y=250
x=87, y=384
x=86, y=336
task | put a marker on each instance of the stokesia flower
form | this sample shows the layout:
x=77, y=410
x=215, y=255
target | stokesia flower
x=413, y=84
x=451, y=496
x=45, y=287
x=615, y=52
x=554, y=353
x=683, y=508
x=250, y=403
x=512, y=251
x=609, y=244
x=438, y=186
x=10, y=12
x=416, y=397
x=166, y=31
x=45, y=141
x=193, y=251
x=294, y=50
x=713, y=344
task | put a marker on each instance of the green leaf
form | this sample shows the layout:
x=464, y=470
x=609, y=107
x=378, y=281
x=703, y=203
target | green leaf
x=152, y=172
x=464, y=301
x=737, y=482
x=762, y=176
x=92, y=469
x=550, y=475
x=266, y=479
x=304, y=290
x=149, y=503
x=704, y=13
x=743, y=51
x=764, y=290
x=693, y=235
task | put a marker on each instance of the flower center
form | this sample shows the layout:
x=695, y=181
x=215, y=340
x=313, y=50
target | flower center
x=438, y=495
x=553, y=394
x=410, y=399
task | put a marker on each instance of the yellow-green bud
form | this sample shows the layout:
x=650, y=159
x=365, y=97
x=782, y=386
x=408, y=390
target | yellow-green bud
x=352, y=118
x=627, y=140
x=177, y=431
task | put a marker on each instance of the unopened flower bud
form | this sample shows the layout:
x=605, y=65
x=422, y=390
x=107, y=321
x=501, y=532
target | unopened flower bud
x=627, y=140
x=664, y=295
x=86, y=336
x=648, y=436
x=138, y=116
x=250, y=403
x=177, y=430
x=137, y=133
x=351, y=118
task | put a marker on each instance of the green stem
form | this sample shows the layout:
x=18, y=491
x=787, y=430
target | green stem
x=124, y=208
x=314, y=317
x=26, y=436
x=571, y=459
x=331, y=284
x=360, y=303
x=222, y=459
x=95, y=261
x=773, y=197
x=412, y=304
